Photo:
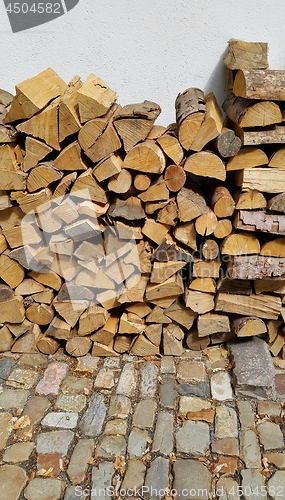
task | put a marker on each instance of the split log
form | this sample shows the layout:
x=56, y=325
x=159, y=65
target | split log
x=157, y=316
x=32, y=202
x=93, y=318
x=15, y=181
x=196, y=343
x=70, y=310
x=78, y=346
x=223, y=228
x=29, y=287
x=142, y=182
x=59, y=329
x=46, y=277
x=42, y=176
x=11, y=157
x=35, y=152
x=210, y=249
x=3, y=243
x=211, y=323
x=249, y=326
x=206, y=269
x=203, y=285
x=265, y=84
x=191, y=204
x=267, y=180
x=206, y=223
x=274, y=248
x=103, y=350
x=227, y=143
x=10, y=271
x=141, y=309
x=106, y=144
x=277, y=159
x=247, y=157
x=153, y=333
x=186, y=234
x=122, y=343
x=45, y=297
x=41, y=314
x=145, y=157
x=47, y=345
x=179, y=313
x=86, y=187
x=171, y=147
x=63, y=187
x=157, y=191
x=278, y=344
x=199, y=302
x=168, y=214
x=92, y=209
x=259, y=221
x=161, y=271
x=206, y=164
x=61, y=245
x=211, y=126
x=244, y=55
x=172, y=340
x=222, y=202
x=108, y=167
x=277, y=203
x=175, y=177
x=121, y=182
x=249, y=113
x=143, y=347
x=12, y=310
x=94, y=98
x=4, y=200
x=190, y=112
x=240, y=244
x=27, y=343
x=70, y=158
x=91, y=131
x=155, y=231
x=274, y=134
x=256, y=267
x=129, y=327
x=68, y=112
x=262, y=306
x=6, y=339
x=107, y=333
x=272, y=330
x=249, y=200
x=274, y=286
x=170, y=287
x=129, y=209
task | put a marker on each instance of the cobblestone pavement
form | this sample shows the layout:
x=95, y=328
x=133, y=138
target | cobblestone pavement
x=131, y=427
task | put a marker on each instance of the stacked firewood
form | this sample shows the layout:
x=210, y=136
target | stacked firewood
x=118, y=235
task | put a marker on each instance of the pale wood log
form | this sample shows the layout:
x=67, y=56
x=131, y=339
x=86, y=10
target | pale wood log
x=186, y=234
x=175, y=177
x=6, y=339
x=88, y=251
x=172, y=346
x=262, y=306
x=260, y=84
x=11, y=217
x=3, y=243
x=203, y=285
x=168, y=214
x=78, y=346
x=195, y=342
x=47, y=277
x=48, y=221
x=222, y=202
x=91, y=131
x=42, y=176
x=106, y=334
x=70, y=310
x=33, y=202
x=211, y=126
x=274, y=248
x=27, y=343
x=206, y=269
x=145, y=157
x=170, y=287
x=5, y=97
x=44, y=125
x=191, y=204
x=59, y=329
x=82, y=230
x=156, y=132
x=47, y=345
x=157, y=191
x=143, y=347
x=121, y=182
x=22, y=235
x=169, y=249
x=206, y=223
x=27, y=257
x=161, y=271
x=155, y=231
x=240, y=244
x=210, y=323
x=94, y=98
x=223, y=228
x=228, y=285
x=63, y=187
x=190, y=112
x=248, y=157
x=106, y=144
x=134, y=122
x=29, y=287
x=277, y=159
x=249, y=200
x=210, y=249
x=274, y=286
x=70, y=158
x=97, y=280
x=12, y=310
x=119, y=271
x=277, y=203
x=68, y=113
x=272, y=330
x=260, y=221
x=157, y=316
x=4, y=200
x=152, y=206
x=41, y=314
x=249, y=113
x=108, y=167
x=45, y=297
x=34, y=94
x=246, y=55
x=256, y=267
x=249, y=326
x=11, y=158
x=87, y=187
x=61, y=245
x=141, y=309
x=6, y=293
x=206, y=164
x=122, y=343
x=200, y=302
x=129, y=327
x=134, y=290
x=35, y=151
x=142, y=182
x=129, y=209
x=108, y=299
x=165, y=302
x=15, y=181
x=179, y=313
x=10, y=271
x=92, y=209
x=171, y=147
x=227, y=143
x=19, y=329
x=278, y=344
x=103, y=350
x=153, y=333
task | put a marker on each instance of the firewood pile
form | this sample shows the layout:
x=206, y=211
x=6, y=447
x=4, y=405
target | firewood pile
x=119, y=235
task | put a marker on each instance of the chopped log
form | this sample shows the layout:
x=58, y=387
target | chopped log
x=88, y=251
x=12, y=310
x=106, y=334
x=190, y=204
x=227, y=143
x=11, y=157
x=82, y=230
x=11, y=217
x=6, y=339
x=272, y=330
x=277, y=159
x=87, y=188
x=22, y=235
x=59, y=329
x=27, y=257
x=200, y=302
x=78, y=346
x=248, y=157
x=161, y=271
x=4, y=200
x=210, y=323
x=175, y=177
x=6, y=293
x=228, y=285
x=264, y=84
x=145, y=157
x=168, y=214
x=190, y=112
x=273, y=134
x=92, y=209
x=141, y=309
x=3, y=243
x=70, y=158
x=157, y=191
x=170, y=287
x=153, y=333
x=33, y=202
x=35, y=151
x=206, y=223
x=171, y=147
x=165, y=302
x=121, y=182
x=27, y=343
x=157, y=316
x=106, y=144
x=34, y=94
x=91, y=131
x=103, y=350
x=19, y=329
x=134, y=122
x=143, y=347
x=203, y=285
x=195, y=342
x=256, y=267
x=46, y=277
x=142, y=182
x=129, y=209
x=68, y=112
x=29, y=287
x=48, y=221
x=206, y=164
x=179, y=313
x=61, y=245
x=155, y=231
x=70, y=310
x=186, y=234
x=42, y=176
x=45, y=297
x=63, y=187
x=15, y=181
x=108, y=299
x=223, y=229
x=47, y=345
x=274, y=286
x=156, y=132
x=249, y=200
x=41, y=314
x=210, y=249
x=10, y=271
x=274, y=248
x=206, y=269
x=211, y=126
x=278, y=344
x=260, y=221
x=172, y=340
x=108, y=167
x=262, y=306
x=122, y=343
x=277, y=203
x=240, y=244
x=244, y=55
x=249, y=113
x=249, y=326
x=170, y=250
x=222, y=202
x=94, y=98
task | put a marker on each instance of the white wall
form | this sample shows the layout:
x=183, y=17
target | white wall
x=143, y=49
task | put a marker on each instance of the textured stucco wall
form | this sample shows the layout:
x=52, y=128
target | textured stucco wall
x=143, y=49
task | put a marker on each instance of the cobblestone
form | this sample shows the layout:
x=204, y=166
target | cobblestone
x=60, y=419
x=35, y=409
x=193, y=438
x=87, y=364
x=191, y=371
x=276, y=485
x=135, y=474
x=148, y=383
x=120, y=406
x=79, y=460
x=191, y=475
x=137, y=443
x=77, y=385
x=277, y=459
x=52, y=378
x=18, y=453
x=163, y=435
x=44, y=488
x=199, y=389
x=226, y=446
x=249, y=449
x=114, y=427
x=6, y=427
x=221, y=388
x=225, y=422
x=71, y=402
x=167, y=392
x=10, y=398
x=22, y=379
x=167, y=365
x=189, y=403
x=92, y=421
x=12, y=481
x=144, y=414
x=111, y=447
x=246, y=416
x=268, y=408
x=157, y=477
x=102, y=479
x=104, y=379
x=252, y=480
x=6, y=365
x=270, y=436
x=127, y=381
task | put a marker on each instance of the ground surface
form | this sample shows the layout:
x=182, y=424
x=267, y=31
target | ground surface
x=133, y=427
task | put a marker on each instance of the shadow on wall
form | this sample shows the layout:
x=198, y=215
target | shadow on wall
x=216, y=82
